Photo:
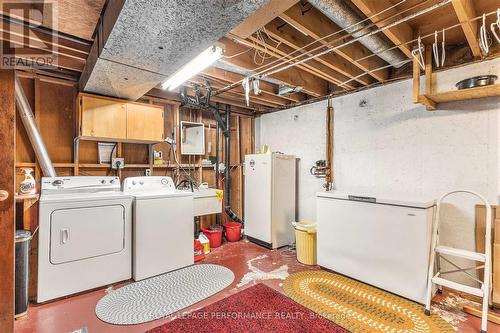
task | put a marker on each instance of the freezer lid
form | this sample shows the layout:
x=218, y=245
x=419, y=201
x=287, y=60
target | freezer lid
x=385, y=199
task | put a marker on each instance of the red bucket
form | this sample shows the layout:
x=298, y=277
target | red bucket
x=214, y=236
x=233, y=231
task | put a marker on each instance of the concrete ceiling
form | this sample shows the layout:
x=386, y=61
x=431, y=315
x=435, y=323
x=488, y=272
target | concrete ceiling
x=152, y=39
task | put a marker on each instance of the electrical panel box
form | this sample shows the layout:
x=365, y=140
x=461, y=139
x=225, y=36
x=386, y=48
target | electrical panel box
x=192, y=138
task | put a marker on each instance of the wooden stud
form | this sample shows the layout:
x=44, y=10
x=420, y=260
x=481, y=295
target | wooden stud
x=317, y=25
x=7, y=205
x=313, y=67
x=262, y=16
x=310, y=83
x=416, y=80
x=428, y=71
x=267, y=88
x=466, y=12
x=296, y=40
x=399, y=34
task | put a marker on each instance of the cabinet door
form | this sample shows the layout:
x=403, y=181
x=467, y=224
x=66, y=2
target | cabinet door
x=103, y=118
x=144, y=122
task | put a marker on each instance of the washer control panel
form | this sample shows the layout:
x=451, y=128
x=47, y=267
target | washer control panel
x=148, y=183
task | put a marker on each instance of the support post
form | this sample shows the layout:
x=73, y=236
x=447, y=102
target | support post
x=7, y=203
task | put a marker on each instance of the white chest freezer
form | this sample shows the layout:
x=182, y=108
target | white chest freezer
x=380, y=241
x=270, y=199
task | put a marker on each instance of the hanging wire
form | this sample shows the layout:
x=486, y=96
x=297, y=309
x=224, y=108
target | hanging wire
x=340, y=31
x=426, y=36
x=388, y=26
x=455, y=26
x=265, y=73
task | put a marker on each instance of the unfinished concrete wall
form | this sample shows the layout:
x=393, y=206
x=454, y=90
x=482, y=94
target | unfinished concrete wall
x=392, y=146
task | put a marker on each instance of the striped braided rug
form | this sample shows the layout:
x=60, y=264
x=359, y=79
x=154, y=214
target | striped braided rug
x=359, y=307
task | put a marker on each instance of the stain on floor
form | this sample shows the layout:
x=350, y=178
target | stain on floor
x=250, y=263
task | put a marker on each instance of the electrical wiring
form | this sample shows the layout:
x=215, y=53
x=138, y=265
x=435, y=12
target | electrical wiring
x=345, y=29
x=455, y=26
x=238, y=54
x=264, y=55
x=371, y=33
x=351, y=41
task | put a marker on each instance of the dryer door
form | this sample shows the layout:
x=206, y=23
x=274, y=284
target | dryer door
x=81, y=233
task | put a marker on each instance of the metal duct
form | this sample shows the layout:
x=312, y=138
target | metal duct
x=28, y=119
x=340, y=13
x=142, y=43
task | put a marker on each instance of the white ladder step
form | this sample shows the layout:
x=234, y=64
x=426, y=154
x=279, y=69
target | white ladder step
x=457, y=286
x=461, y=253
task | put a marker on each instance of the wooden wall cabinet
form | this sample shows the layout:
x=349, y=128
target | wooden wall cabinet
x=144, y=122
x=103, y=118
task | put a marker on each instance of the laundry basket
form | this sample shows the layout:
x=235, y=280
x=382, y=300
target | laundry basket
x=305, y=239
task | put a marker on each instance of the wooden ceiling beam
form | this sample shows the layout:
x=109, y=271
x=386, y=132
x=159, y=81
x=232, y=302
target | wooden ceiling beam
x=314, y=67
x=316, y=25
x=266, y=88
x=310, y=83
x=286, y=34
x=398, y=34
x=175, y=96
x=262, y=16
x=272, y=99
x=466, y=12
x=21, y=34
x=238, y=93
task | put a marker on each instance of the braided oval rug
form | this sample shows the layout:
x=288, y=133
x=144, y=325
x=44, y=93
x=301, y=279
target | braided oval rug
x=159, y=296
x=359, y=307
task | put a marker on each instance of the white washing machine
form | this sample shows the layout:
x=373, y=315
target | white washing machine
x=163, y=226
x=84, y=237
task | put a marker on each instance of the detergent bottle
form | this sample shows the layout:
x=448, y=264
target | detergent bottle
x=205, y=242
x=27, y=186
x=198, y=251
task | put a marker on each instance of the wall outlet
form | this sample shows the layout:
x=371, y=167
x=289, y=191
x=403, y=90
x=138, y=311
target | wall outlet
x=117, y=163
x=147, y=172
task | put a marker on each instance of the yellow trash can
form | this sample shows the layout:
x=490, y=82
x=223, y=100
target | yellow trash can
x=305, y=239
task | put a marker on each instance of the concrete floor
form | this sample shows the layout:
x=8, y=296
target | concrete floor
x=72, y=313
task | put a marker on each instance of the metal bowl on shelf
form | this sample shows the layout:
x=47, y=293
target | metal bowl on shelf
x=476, y=81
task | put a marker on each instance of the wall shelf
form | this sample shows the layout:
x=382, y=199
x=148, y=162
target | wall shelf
x=460, y=95
x=431, y=99
x=26, y=197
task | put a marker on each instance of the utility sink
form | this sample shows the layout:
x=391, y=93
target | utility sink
x=206, y=202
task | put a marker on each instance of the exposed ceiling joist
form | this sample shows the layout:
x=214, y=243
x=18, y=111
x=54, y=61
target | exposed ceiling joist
x=236, y=107
x=296, y=40
x=399, y=34
x=265, y=87
x=262, y=16
x=310, y=83
x=465, y=12
x=240, y=94
x=314, y=67
x=317, y=25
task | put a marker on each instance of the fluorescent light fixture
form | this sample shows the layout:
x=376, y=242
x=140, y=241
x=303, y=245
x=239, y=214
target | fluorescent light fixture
x=202, y=61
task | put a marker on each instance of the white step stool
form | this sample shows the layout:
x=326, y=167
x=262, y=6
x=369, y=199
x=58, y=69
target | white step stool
x=437, y=250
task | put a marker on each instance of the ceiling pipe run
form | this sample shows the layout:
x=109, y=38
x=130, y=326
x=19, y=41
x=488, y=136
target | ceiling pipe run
x=340, y=13
x=28, y=119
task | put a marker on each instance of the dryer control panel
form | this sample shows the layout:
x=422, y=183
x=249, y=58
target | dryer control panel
x=79, y=184
x=148, y=183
